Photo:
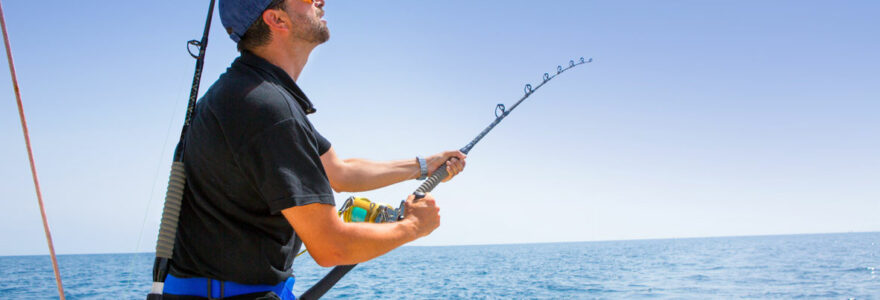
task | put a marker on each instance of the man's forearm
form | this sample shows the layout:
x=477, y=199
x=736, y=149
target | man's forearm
x=333, y=242
x=355, y=174
x=364, y=175
x=365, y=241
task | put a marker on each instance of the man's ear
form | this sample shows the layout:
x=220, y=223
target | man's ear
x=276, y=19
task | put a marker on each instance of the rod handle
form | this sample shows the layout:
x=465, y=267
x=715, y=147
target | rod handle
x=324, y=285
x=433, y=180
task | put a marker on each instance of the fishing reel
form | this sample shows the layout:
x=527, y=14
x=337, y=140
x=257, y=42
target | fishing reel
x=359, y=209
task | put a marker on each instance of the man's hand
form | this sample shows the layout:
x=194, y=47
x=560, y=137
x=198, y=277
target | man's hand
x=423, y=214
x=455, y=159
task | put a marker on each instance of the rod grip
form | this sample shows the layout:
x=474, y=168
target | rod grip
x=434, y=179
x=171, y=212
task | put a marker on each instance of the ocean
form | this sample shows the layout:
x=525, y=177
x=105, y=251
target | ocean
x=813, y=266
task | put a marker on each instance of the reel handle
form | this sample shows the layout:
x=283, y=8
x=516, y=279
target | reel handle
x=402, y=209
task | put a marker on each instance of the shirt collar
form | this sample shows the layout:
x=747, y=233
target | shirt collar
x=281, y=77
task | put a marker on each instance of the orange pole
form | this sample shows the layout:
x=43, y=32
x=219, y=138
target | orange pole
x=27, y=141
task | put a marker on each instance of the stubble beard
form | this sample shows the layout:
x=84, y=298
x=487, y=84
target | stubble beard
x=311, y=29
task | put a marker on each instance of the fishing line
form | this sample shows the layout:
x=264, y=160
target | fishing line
x=159, y=160
x=501, y=112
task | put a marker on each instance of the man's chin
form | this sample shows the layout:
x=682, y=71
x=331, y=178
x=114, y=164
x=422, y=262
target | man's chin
x=324, y=35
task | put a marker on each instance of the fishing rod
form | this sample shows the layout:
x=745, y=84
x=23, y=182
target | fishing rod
x=30, y=152
x=177, y=179
x=381, y=213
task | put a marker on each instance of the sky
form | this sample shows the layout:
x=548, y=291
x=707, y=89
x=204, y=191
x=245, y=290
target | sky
x=696, y=118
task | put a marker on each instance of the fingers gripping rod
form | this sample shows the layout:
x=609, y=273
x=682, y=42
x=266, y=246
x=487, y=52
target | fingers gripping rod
x=429, y=184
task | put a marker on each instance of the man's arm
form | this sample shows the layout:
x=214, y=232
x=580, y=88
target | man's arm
x=333, y=242
x=356, y=175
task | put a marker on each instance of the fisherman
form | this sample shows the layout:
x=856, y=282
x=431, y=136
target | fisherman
x=260, y=178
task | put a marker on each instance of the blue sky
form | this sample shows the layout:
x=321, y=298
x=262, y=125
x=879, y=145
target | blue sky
x=697, y=118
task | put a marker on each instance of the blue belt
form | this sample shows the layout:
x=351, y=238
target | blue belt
x=201, y=286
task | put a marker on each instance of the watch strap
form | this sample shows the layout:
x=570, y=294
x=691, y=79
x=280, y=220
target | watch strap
x=423, y=168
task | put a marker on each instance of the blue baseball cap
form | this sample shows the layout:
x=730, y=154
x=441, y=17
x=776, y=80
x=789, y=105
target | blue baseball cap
x=238, y=15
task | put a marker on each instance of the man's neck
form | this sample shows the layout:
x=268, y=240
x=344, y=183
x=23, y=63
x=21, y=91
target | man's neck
x=290, y=58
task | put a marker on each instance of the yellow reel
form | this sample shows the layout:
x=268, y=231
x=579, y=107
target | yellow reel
x=359, y=209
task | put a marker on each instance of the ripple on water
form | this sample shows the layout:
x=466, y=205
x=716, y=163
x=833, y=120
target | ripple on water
x=837, y=266
x=698, y=277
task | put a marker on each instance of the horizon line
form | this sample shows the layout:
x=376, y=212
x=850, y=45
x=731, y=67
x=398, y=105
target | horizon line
x=512, y=244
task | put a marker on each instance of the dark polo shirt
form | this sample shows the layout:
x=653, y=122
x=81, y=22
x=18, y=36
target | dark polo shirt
x=250, y=153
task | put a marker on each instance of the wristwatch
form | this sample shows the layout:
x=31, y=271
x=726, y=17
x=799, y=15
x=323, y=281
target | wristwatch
x=423, y=167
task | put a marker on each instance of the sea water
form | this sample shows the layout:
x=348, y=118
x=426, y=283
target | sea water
x=817, y=266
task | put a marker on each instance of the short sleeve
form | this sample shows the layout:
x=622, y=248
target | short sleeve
x=284, y=164
x=323, y=144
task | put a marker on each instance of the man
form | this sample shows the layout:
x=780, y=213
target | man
x=260, y=178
